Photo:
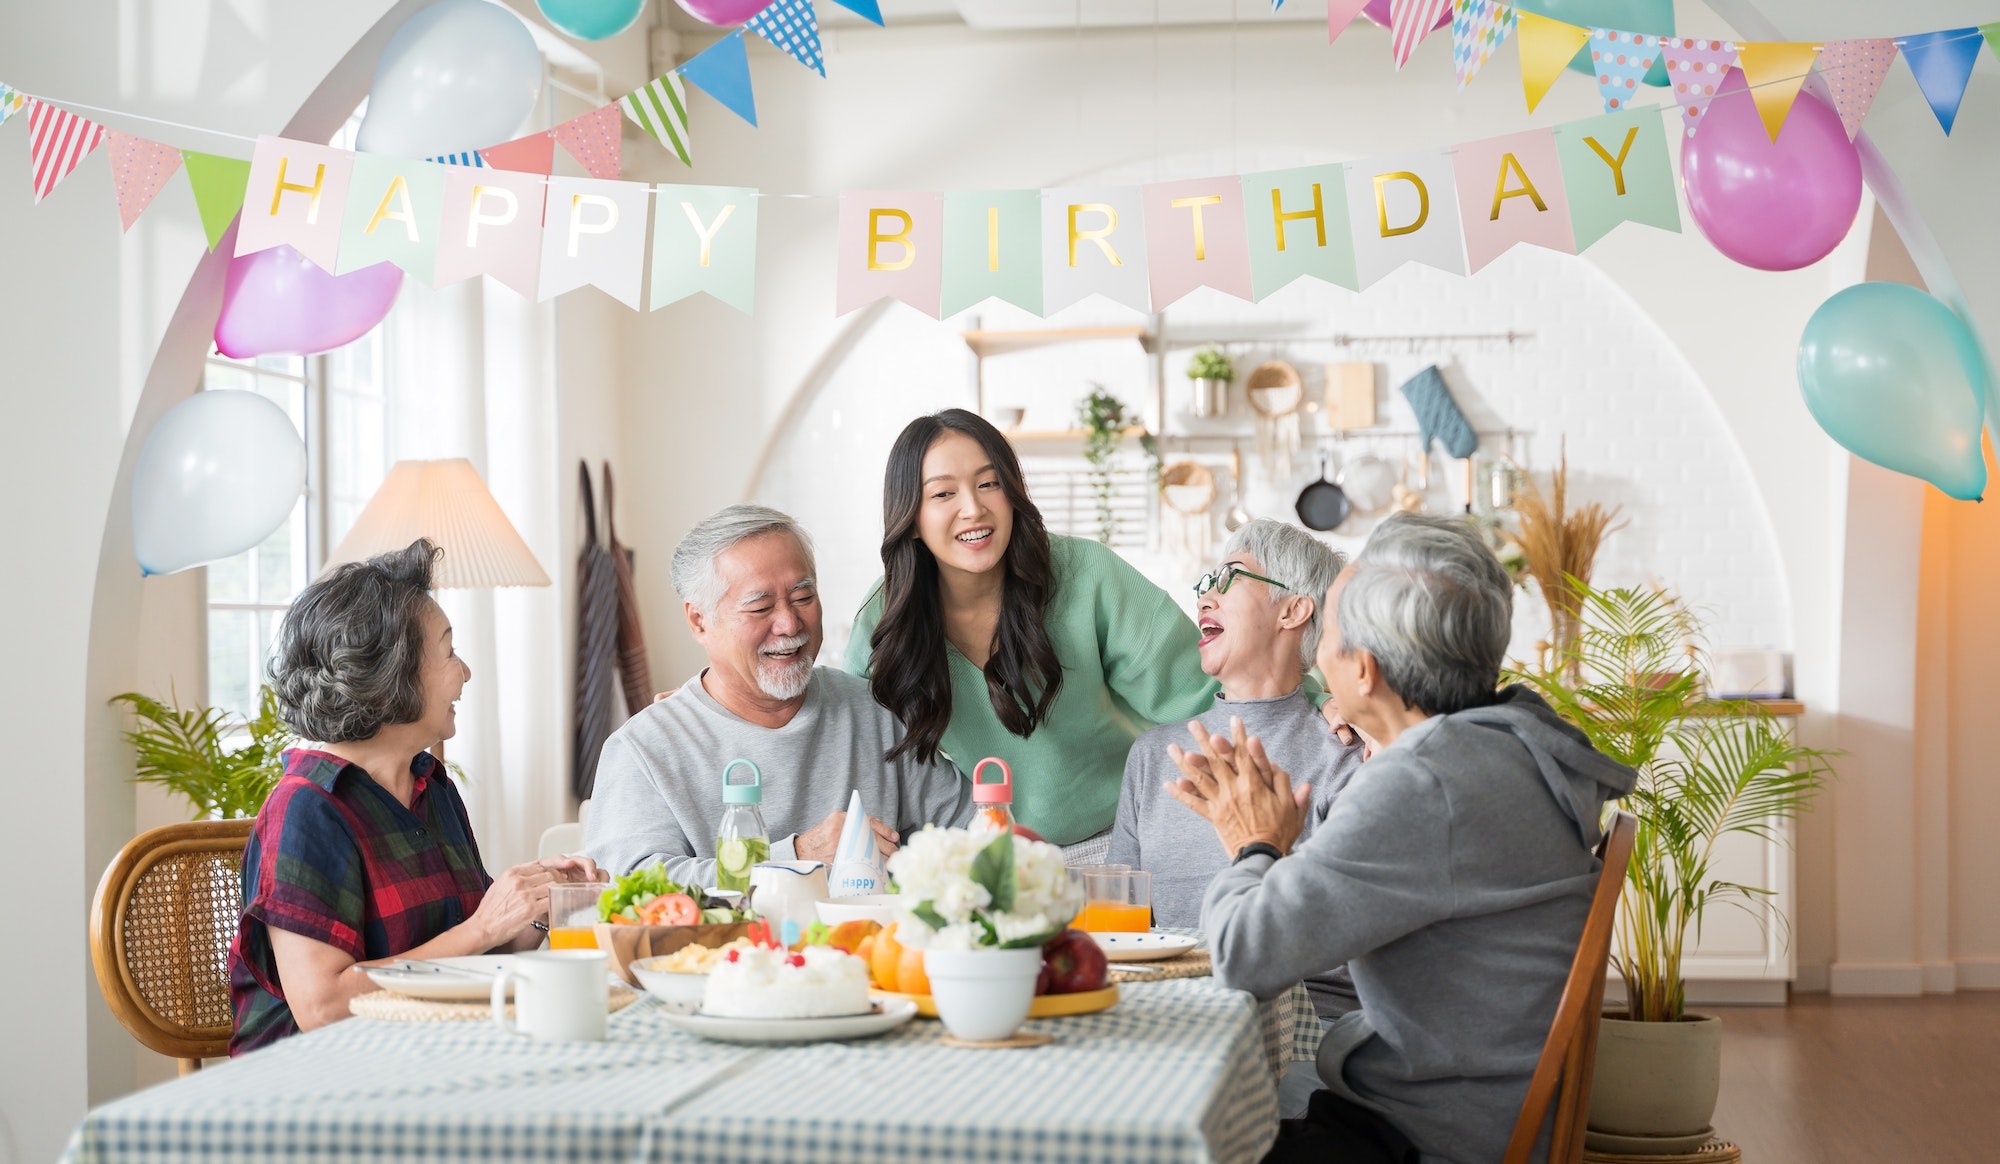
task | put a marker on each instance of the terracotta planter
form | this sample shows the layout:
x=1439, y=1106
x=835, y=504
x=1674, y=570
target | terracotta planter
x=1656, y=1079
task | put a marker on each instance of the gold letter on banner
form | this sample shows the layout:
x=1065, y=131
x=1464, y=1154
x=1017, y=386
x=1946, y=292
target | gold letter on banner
x=707, y=233
x=319, y=180
x=399, y=191
x=1382, y=203
x=992, y=238
x=900, y=236
x=578, y=227
x=1195, y=204
x=1280, y=216
x=1100, y=236
x=1501, y=193
x=474, y=220
x=1617, y=164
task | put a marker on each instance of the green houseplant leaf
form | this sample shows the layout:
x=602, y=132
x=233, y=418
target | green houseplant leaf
x=183, y=750
x=993, y=869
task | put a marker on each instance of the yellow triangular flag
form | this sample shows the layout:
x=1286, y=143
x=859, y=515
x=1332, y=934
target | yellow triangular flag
x=1775, y=69
x=1546, y=46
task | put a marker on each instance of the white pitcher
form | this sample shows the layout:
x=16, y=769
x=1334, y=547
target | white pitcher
x=787, y=892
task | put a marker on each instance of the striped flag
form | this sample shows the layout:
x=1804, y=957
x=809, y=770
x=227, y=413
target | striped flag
x=793, y=26
x=660, y=109
x=1410, y=21
x=57, y=141
x=12, y=100
x=464, y=158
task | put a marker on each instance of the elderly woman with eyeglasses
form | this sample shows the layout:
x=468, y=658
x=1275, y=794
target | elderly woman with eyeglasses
x=363, y=851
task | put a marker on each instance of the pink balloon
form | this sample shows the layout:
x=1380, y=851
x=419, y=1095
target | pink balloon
x=731, y=11
x=1378, y=11
x=1774, y=206
x=276, y=302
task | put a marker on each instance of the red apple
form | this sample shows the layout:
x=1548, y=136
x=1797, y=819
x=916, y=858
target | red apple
x=1073, y=962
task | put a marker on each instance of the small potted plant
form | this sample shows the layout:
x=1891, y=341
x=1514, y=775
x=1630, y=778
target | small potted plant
x=183, y=751
x=980, y=903
x=1211, y=372
x=1105, y=421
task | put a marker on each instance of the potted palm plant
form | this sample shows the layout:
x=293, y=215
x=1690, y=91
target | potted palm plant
x=186, y=751
x=1630, y=678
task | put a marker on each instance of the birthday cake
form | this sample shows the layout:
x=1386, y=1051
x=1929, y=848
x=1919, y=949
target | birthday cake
x=766, y=983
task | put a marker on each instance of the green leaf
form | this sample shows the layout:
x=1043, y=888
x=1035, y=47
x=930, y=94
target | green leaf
x=993, y=869
x=926, y=912
x=1036, y=940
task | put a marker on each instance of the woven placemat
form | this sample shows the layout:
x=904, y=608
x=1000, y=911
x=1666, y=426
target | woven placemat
x=1193, y=964
x=1019, y=1040
x=1714, y=1152
x=401, y=1008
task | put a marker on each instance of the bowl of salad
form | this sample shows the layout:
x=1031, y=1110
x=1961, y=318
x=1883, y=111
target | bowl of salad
x=646, y=914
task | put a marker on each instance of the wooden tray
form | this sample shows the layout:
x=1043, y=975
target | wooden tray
x=1044, y=1006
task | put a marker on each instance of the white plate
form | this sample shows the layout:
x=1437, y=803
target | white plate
x=469, y=980
x=875, y=907
x=889, y=1014
x=1144, y=947
x=681, y=992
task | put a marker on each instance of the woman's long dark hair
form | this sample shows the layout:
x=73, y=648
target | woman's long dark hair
x=911, y=674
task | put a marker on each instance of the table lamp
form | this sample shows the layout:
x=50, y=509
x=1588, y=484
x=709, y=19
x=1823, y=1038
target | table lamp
x=446, y=502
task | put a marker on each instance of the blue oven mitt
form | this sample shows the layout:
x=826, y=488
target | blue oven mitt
x=1437, y=413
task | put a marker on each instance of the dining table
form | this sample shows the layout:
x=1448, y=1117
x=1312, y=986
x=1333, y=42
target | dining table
x=1179, y=1070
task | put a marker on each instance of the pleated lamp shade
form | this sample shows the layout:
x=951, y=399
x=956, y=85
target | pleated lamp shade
x=446, y=502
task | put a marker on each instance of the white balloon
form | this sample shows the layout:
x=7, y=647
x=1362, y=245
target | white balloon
x=459, y=75
x=218, y=474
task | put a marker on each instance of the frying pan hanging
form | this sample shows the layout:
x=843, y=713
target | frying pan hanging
x=1322, y=505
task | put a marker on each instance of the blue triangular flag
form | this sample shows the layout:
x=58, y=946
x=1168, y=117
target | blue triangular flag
x=792, y=25
x=872, y=9
x=1942, y=63
x=722, y=70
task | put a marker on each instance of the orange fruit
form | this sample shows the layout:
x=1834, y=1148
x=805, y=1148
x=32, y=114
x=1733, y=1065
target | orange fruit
x=865, y=951
x=882, y=959
x=849, y=935
x=910, y=975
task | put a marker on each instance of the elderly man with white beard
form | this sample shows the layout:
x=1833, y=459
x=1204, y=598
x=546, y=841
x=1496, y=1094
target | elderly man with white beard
x=745, y=577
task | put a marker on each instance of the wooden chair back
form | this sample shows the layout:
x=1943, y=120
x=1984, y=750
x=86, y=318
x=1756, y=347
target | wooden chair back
x=160, y=929
x=1562, y=1075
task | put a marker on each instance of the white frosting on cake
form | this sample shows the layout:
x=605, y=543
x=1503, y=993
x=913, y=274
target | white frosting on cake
x=819, y=982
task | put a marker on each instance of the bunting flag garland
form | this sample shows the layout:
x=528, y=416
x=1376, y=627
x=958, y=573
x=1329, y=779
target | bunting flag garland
x=1696, y=68
x=139, y=171
x=722, y=70
x=467, y=158
x=1775, y=71
x=12, y=101
x=533, y=154
x=1991, y=33
x=1410, y=21
x=1854, y=70
x=1546, y=47
x=793, y=26
x=1340, y=14
x=870, y=10
x=1620, y=59
x=660, y=108
x=218, y=184
x=1478, y=28
x=1942, y=63
x=57, y=141
x=593, y=141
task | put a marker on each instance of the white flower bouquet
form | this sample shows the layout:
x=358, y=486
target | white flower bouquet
x=960, y=889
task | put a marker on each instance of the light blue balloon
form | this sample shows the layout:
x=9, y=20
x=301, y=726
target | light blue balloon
x=218, y=474
x=1899, y=380
x=1649, y=16
x=459, y=75
x=591, y=19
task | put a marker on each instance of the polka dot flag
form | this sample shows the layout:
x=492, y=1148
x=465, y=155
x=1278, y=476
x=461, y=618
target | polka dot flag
x=792, y=26
x=1695, y=68
x=1620, y=60
x=1854, y=70
x=593, y=141
x=139, y=171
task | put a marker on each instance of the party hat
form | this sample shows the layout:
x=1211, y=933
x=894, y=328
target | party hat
x=857, y=865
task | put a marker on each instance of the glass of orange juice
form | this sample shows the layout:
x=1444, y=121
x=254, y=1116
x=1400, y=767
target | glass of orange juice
x=573, y=914
x=1117, y=899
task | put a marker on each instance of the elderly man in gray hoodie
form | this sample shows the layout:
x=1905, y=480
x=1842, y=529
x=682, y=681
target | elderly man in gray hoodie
x=1453, y=874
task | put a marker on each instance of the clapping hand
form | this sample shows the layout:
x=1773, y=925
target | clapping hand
x=822, y=841
x=1236, y=788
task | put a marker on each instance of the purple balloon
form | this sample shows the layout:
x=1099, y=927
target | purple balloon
x=1378, y=11
x=1776, y=206
x=732, y=11
x=276, y=302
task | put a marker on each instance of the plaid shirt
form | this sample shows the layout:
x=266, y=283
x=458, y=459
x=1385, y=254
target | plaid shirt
x=335, y=857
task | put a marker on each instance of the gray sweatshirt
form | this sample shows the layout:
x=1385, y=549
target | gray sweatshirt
x=1159, y=834
x=659, y=780
x=1453, y=877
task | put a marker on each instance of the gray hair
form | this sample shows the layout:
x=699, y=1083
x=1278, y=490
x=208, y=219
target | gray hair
x=696, y=579
x=1429, y=600
x=1305, y=566
x=350, y=652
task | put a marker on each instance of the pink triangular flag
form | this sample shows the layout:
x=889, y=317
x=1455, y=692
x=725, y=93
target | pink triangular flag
x=57, y=141
x=139, y=170
x=1410, y=21
x=533, y=154
x=1854, y=70
x=1340, y=14
x=1695, y=68
x=593, y=141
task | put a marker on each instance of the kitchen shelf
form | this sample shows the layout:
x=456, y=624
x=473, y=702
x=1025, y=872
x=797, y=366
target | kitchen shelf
x=986, y=342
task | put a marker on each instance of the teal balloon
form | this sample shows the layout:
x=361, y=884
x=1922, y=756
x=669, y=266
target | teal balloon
x=1899, y=380
x=591, y=19
x=1650, y=16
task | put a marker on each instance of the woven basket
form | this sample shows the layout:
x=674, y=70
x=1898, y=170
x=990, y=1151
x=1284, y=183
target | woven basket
x=1187, y=487
x=628, y=944
x=1275, y=389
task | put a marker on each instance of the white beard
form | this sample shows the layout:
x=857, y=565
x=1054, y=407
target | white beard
x=787, y=680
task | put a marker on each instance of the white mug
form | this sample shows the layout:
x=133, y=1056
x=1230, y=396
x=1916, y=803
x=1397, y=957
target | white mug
x=560, y=996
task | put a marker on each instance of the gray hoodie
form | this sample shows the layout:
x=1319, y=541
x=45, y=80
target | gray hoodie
x=1452, y=875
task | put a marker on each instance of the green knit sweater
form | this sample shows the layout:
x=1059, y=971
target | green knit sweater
x=1131, y=660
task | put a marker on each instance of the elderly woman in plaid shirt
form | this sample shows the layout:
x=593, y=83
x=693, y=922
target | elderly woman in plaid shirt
x=363, y=851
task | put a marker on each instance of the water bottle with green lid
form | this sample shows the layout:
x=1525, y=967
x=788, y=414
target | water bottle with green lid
x=742, y=841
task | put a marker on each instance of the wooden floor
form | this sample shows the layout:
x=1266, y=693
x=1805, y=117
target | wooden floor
x=1872, y=1081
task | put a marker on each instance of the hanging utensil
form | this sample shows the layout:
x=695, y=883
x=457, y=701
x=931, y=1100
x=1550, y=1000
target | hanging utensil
x=1369, y=483
x=1322, y=505
x=1237, y=517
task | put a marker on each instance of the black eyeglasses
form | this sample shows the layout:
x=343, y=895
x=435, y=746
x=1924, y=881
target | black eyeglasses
x=1220, y=580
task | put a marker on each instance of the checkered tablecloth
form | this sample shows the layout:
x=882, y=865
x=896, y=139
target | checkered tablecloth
x=1178, y=1071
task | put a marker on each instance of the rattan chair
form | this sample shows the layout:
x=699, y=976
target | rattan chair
x=1562, y=1075
x=160, y=929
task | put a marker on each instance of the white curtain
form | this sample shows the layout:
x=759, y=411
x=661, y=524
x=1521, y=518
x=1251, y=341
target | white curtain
x=471, y=373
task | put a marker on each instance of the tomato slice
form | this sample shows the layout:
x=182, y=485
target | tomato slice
x=671, y=909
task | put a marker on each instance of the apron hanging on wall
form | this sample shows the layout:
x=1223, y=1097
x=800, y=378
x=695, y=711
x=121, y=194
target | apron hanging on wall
x=596, y=648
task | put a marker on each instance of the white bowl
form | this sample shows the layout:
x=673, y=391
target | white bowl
x=875, y=907
x=681, y=992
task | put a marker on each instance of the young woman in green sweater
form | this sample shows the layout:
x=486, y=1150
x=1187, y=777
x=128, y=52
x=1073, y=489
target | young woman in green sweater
x=988, y=636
